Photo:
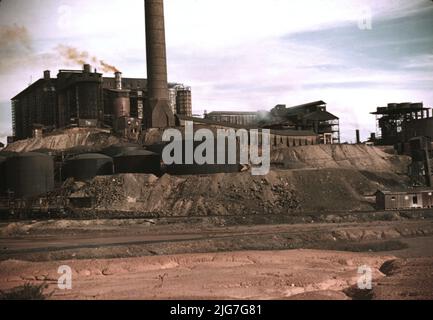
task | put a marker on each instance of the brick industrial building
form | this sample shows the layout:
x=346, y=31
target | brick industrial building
x=85, y=98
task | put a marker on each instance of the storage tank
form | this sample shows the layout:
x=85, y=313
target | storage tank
x=29, y=174
x=193, y=169
x=48, y=152
x=137, y=161
x=184, y=102
x=71, y=152
x=121, y=104
x=87, y=166
x=119, y=148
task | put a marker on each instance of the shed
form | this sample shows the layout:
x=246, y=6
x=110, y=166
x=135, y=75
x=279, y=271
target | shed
x=407, y=199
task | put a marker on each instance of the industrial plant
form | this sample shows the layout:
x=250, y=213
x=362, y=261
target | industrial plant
x=84, y=98
x=83, y=177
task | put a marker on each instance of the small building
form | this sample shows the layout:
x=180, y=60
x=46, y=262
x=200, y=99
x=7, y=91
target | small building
x=408, y=199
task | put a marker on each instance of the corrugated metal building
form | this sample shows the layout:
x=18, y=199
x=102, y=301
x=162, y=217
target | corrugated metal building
x=408, y=199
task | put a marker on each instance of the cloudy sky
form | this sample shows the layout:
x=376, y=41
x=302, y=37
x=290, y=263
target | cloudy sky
x=238, y=54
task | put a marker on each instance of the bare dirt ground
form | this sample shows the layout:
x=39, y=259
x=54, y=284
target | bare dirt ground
x=145, y=259
x=241, y=275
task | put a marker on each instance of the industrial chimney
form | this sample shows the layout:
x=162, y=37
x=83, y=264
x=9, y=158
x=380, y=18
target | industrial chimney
x=158, y=113
x=118, y=80
x=87, y=68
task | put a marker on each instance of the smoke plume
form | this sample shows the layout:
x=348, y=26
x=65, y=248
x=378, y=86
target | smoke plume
x=75, y=56
x=13, y=36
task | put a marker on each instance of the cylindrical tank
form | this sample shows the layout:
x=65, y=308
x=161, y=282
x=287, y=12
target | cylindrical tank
x=87, y=166
x=119, y=148
x=71, y=152
x=29, y=174
x=184, y=102
x=121, y=105
x=49, y=152
x=193, y=169
x=137, y=161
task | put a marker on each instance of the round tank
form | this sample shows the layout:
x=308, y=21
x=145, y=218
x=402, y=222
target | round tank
x=117, y=149
x=87, y=166
x=121, y=107
x=49, y=152
x=81, y=150
x=29, y=174
x=137, y=161
x=193, y=169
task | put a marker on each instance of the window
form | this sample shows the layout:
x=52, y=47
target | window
x=415, y=200
x=392, y=198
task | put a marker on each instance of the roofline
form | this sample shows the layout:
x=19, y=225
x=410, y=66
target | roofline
x=299, y=133
x=310, y=104
x=33, y=85
x=233, y=113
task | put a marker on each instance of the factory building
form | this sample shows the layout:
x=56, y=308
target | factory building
x=84, y=98
x=230, y=117
x=37, y=104
x=279, y=138
x=79, y=102
x=305, y=121
x=399, y=122
x=306, y=117
x=417, y=128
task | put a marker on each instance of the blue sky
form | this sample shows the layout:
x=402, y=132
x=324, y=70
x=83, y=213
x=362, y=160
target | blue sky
x=238, y=54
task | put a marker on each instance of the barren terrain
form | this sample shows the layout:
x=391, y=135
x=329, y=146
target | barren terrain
x=163, y=259
x=301, y=232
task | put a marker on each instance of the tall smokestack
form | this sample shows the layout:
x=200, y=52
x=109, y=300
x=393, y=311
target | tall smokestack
x=358, y=137
x=158, y=113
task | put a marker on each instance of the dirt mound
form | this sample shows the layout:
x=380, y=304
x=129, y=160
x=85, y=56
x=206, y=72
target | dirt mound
x=66, y=139
x=359, y=157
x=406, y=279
x=280, y=192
